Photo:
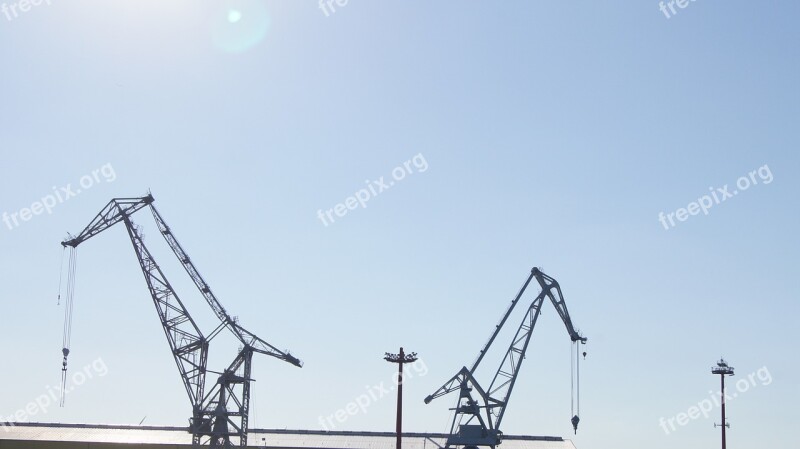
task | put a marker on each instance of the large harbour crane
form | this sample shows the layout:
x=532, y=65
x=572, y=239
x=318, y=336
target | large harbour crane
x=477, y=420
x=219, y=415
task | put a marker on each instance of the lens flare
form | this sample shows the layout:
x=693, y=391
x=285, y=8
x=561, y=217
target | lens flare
x=240, y=25
x=234, y=16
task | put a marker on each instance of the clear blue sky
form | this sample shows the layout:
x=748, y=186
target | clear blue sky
x=552, y=134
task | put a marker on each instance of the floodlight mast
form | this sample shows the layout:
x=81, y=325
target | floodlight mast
x=220, y=416
x=723, y=369
x=477, y=422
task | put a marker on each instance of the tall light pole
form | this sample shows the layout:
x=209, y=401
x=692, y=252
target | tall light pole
x=723, y=370
x=400, y=359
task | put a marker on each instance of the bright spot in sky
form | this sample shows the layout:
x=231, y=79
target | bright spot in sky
x=234, y=16
x=240, y=25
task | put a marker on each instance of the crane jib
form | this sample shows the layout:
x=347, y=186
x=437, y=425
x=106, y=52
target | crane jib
x=212, y=421
x=479, y=413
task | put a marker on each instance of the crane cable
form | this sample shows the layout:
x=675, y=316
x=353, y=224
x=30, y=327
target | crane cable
x=68, y=306
x=575, y=386
x=60, y=274
x=572, y=381
x=578, y=378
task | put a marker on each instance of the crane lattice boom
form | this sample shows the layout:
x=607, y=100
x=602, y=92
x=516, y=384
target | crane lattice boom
x=477, y=421
x=219, y=416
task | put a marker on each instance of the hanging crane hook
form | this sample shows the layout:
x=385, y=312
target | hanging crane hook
x=64, y=351
x=575, y=421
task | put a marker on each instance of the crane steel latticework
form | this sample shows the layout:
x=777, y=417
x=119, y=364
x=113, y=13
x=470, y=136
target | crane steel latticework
x=219, y=416
x=478, y=423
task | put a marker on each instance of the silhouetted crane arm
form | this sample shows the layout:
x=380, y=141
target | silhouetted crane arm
x=113, y=213
x=494, y=400
x=553, y=290
x=454, y=384
x=506, y=376
x=188, y=345
x=221, y=414
x=245, y=337
x=261, y=346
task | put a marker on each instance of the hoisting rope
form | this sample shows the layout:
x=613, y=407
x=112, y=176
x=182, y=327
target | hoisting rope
x=578, y=378
x=572, y=380
x=61, y=274
x=68, y=305
x=575, y=386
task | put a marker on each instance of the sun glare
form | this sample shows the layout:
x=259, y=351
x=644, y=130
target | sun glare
x=240, y=25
